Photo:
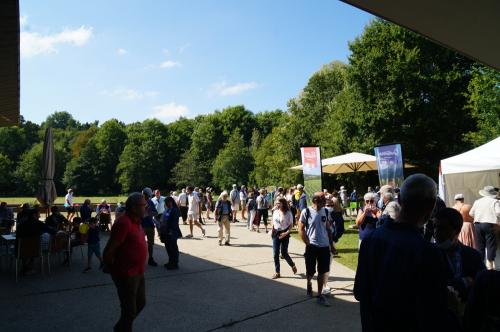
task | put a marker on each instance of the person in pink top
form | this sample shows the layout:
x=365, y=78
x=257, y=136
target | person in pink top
x=125, y=258
x=467, y=235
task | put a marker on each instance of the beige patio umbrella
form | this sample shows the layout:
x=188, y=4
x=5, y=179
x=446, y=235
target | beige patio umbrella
x=47, y=190
x=349, y=163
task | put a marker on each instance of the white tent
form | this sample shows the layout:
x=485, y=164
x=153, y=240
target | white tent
x=469, y=172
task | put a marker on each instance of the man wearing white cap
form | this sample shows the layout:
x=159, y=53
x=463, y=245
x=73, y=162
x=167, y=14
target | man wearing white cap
x=486, y=214
x=222, y=214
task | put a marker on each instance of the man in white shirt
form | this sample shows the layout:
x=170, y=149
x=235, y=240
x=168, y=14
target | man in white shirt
x=68, y=204
x=235, y=201
x=486, y=214
x=183, y=206
x=193, y=211
x=159, y=202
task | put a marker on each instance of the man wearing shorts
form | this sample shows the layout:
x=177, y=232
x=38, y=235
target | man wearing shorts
x=315, y=231
x=193, y=211
x=68, y=204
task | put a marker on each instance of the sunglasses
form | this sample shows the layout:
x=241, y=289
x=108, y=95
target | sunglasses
x=369, y=201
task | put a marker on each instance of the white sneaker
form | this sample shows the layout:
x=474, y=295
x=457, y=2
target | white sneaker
x=326, y=291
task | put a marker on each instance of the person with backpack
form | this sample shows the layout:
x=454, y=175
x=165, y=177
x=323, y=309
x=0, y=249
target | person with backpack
x=222, y=215
x=252, y=210
x=262, y=207
x=316, y=232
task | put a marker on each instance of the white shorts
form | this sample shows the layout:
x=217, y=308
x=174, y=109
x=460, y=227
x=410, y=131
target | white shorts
x=193, y=216
x=235, y=207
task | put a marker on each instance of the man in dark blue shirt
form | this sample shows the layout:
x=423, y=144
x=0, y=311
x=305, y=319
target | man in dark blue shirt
x=401, y=278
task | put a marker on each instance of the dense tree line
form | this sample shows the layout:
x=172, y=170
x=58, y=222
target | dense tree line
x=396, y=87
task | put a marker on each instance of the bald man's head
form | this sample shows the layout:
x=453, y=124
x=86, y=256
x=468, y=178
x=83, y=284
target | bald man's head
x=418, y=197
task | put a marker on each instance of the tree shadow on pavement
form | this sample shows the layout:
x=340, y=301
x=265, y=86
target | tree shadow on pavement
x=201, y=296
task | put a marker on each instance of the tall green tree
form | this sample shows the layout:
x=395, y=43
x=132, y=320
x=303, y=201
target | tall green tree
x=142, y=162
x=484, y=104
x=109, y=141
x=60, y=120
x=233, y=163
x=412, y=91
x=272, y=161
x=27, y=174
x=82, y=172
x=13, y=142
x=6, y=169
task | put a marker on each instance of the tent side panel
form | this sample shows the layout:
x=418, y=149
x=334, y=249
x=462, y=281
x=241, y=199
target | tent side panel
x=469, y=184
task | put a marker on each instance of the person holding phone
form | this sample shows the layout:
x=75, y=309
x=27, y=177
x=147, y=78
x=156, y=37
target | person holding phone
x=368, y=217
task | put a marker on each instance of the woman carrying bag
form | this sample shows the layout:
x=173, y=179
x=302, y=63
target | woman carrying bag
x=282, y=223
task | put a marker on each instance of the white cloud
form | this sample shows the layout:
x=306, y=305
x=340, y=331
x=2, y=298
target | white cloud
x=129, y=94
x=170, y=64
x=121, y=51
x=170, y=111
x=222, y=89
x=33, y=43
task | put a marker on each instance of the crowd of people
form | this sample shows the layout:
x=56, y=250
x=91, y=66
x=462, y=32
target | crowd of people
x=419, y=261
x=423, y=264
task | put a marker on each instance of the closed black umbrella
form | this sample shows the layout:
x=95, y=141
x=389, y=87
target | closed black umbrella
x=47, y=191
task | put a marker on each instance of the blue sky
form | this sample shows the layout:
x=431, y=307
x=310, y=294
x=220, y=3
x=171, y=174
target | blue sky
x=133, y=60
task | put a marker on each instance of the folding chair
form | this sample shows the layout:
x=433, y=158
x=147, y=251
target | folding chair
x=60, y=244
x=27, y=248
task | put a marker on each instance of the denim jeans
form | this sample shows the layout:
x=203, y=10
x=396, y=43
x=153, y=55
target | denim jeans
x=283, y=245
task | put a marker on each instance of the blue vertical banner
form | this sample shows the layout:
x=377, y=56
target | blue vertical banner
x=311, y=168
x=390, y=164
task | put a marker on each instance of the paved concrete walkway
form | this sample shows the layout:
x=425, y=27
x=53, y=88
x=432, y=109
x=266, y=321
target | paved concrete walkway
x=215, y=289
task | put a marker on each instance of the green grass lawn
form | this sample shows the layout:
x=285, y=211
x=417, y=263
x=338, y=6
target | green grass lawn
x=60, y=200
x=347, y=246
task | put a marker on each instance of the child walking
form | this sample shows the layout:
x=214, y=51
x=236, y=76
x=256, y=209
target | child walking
x=93, y=244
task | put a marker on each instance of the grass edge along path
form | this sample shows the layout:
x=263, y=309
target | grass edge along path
x=60, y=200
x=347, y=246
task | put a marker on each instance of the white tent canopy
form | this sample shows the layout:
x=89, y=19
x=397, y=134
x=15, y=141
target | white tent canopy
x=348, y=163
x=469, y=172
